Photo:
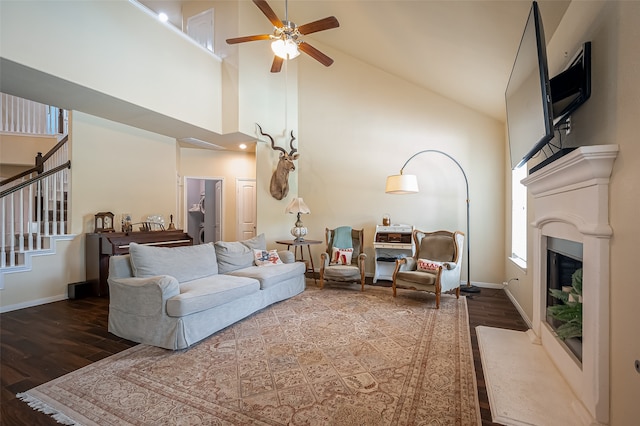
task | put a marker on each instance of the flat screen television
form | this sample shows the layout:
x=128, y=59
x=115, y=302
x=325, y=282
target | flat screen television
x=528, y=94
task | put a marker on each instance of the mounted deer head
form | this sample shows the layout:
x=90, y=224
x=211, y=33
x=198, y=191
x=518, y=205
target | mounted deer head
x=279, y=186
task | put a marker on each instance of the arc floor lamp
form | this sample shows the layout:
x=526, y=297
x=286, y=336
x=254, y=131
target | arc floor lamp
x=408, y=184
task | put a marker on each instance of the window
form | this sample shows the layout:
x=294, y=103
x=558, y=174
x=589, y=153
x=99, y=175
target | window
x=519, y=217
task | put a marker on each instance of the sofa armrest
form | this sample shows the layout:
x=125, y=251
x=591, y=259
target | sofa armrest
x=142, y=296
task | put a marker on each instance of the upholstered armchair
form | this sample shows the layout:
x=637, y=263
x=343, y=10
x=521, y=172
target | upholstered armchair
x=436, y=265
x=343, y=260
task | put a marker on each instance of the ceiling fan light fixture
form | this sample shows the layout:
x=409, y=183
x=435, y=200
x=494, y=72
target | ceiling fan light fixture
x=285, y=48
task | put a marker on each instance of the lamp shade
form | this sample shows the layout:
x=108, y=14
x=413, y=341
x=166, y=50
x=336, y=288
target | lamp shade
x=297, y=205
x=285, y=49
x=402, y=184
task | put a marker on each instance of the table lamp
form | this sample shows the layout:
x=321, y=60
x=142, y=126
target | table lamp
x=298, y=206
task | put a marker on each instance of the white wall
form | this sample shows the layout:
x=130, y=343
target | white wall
x=358, y=125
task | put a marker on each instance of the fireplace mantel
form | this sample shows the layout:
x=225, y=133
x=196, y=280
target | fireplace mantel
x=585, y=166
x=571, y=201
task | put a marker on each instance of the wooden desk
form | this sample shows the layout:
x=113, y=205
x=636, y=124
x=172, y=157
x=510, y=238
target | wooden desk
x=302, y=244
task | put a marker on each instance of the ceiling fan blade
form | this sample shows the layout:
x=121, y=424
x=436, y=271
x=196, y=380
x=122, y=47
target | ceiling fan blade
x=268, y=12
x=315, y=54
x=276, y=66
x=319, y=25
x=248, y=38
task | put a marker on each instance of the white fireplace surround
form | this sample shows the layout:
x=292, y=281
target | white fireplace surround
x=571, y=201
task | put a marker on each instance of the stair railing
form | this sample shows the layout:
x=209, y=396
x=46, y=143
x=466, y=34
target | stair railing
x=33, y=204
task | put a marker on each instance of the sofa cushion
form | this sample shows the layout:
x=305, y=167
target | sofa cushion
x=184, y=263
x=209, y=292
x=233, y=255
x=273, y=274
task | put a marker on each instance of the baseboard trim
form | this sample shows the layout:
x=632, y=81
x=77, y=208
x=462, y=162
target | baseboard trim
x=32, y=303
x=518, y=308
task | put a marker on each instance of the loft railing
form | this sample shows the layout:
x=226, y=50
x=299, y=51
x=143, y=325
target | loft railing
x=20, y=115
x=33, y=205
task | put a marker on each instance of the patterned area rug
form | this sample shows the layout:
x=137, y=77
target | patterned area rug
x=335, y=356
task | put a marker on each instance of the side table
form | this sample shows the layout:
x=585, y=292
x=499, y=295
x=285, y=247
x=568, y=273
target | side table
x=301, y=244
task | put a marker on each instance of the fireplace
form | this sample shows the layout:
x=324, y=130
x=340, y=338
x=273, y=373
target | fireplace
x=564, y=280
x=571, y=210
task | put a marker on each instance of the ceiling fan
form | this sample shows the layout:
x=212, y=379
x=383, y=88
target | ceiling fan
x=286, y=37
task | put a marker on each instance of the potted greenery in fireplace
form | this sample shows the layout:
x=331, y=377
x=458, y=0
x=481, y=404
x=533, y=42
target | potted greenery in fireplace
x=570, y=310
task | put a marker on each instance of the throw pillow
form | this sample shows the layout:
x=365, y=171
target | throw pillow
x=232, y=255
x=257, y=242
x=341, y=256
x=266, y=257
x=429, y=265
x=184, y=263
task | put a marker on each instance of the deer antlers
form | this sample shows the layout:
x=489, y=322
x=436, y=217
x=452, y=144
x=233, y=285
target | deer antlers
x=279, y=148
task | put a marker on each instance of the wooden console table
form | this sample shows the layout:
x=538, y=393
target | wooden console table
x=301, y=245
x=102, y=245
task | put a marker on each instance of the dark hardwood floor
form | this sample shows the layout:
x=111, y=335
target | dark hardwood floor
x=44, y=342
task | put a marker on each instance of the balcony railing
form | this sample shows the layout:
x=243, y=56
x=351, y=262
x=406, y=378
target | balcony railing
x=20, y=115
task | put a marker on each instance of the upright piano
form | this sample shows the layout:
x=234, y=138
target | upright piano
x=100, y=246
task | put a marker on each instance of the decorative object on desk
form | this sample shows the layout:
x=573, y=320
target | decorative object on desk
x=150, y=226
x=279, y=185
x=408, y=184
x=297, y=206
x=127, y=222
x=104, y=222
x=386, y=220
x=171, y=227
x=155, y=222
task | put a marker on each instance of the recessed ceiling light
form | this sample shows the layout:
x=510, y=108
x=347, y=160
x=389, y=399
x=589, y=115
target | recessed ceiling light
x=163, y=17
x=242, y=146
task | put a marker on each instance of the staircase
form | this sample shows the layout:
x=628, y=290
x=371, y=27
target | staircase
x=34, y=202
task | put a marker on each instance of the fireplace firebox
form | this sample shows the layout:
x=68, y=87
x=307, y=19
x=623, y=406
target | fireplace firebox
x=564, y=258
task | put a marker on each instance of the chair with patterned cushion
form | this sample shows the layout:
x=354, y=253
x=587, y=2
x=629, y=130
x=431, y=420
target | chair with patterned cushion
x=435, y=266
x=343, y=260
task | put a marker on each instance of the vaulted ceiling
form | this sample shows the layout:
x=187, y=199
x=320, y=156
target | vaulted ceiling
x=461, y=49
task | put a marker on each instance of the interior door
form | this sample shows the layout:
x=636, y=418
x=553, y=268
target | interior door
x=246, y=208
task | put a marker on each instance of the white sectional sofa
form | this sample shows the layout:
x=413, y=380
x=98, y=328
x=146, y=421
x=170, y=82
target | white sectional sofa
x=175, y=297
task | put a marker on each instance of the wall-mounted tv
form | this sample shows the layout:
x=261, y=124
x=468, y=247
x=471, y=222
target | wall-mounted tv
x=528, y=94
x=537, y=105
